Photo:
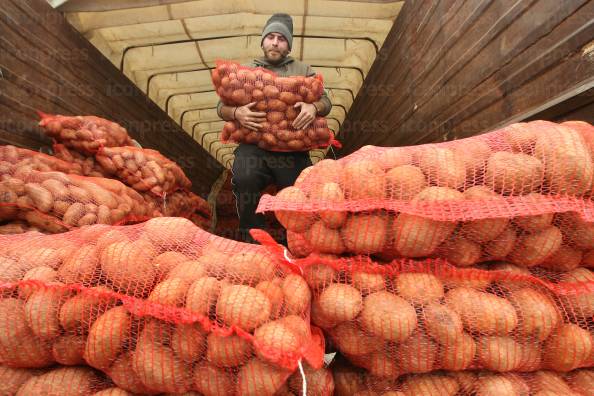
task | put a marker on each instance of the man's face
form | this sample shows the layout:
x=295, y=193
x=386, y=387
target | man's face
x=275, y=47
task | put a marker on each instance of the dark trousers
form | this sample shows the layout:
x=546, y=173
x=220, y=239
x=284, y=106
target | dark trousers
x=253, y=170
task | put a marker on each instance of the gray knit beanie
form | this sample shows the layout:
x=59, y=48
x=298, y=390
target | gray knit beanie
x=279, y=23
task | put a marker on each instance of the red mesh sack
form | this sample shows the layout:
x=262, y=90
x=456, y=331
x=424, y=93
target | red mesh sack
x=87, y=164
x=277, y=134
x=14, y=159
x=239, y=85
x=415, y=317
x=143, y=169
x=522, y=193
x=160, y=306
x=55, y=202
x=180, y=203
x=350, y=380
x=86, y=134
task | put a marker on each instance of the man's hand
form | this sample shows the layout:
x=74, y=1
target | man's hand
x=248, y=118
x=306, y=116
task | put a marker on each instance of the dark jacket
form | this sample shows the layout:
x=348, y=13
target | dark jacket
x=288, y=67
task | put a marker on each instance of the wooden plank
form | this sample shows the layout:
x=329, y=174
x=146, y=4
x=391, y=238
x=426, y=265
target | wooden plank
x=578, y=107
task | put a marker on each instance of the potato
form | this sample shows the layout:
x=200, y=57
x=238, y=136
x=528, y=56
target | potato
x=40, y=256
x=516, y=280
x=250, y=267
x=534, y=249
x=521, y=136
x=514, y=174
x=11, y=379
x=298, y=245
x=458, y=355
x=495, y=385
x=388, y=316
x=319, y=276
x=419, y=288
x=257, y=378
x=531, y=356
x=582, y=381
x=351, y=340
x=582, y=302
x=475, y=155
x=72, y=381
x=110, y=237
x=443, y=167
x=482, y=312
x=188, y=342
x=158, y=368
x=165, y=262
x=483, y=230
x=324, y=240
x=502, y=245
x=364, y=233
x=466, y=380
x=461, y=252
x=404, y=182
x=417, y=354
x=297, y=296
x=130, y=279
x=568, y=164
x=42, y=198
x=188, y=270
x=42, y=311
x=340, y=303
x=319, y=381
x=122, y=374
x=115, y=392
x=80, y=266
x=294, y=220
x=318, y=317
x=329, y=193
x=536, y=222
x=275, y=296
x=437, y=384
x=499, y=353
x=79, y=312
x=170, y=233
x=368, y=282
x=363, y=179
x=69, y=350
x=416, y=236
x=567, y=348
x=243, y=306
x=392, y=157
x=443, y=324
x=566, y=258
x=107, y=337
x=227, y=351
x=547, y=381
x=274, y=340
x=347, y=380
x=537, y=313
x=170, y=292
x=212, y=381
x=383, y=365
x=43, y=274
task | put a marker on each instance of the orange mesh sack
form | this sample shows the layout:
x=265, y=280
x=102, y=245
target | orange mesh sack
x=181, y=203
x=85, y=134
x=55, y=202
x=160, y=306
x=522, y=193
x=416, y=317
x=16, y=160
x=87, y=164
x=239, y=85
x=143, y=169
x=277, y=134
x=352, y=381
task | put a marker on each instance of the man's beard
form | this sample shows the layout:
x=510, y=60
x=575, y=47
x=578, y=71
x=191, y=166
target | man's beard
x=280, y=55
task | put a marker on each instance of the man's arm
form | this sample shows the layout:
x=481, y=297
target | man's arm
x=243, y=114
x=225, y=112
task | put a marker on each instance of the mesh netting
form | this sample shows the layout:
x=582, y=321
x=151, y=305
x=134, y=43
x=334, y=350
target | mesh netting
x=522, y=193
x=419, y=316
x=87, y=163
x=13, y=159
x=181, y=203
x=276, y=96
x=351, y=381
x=55, y=201
x=160, y=307
x=143, y=169
x=86, y=134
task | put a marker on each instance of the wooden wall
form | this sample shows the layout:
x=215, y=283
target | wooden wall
x=46, y=64
x=453, y=68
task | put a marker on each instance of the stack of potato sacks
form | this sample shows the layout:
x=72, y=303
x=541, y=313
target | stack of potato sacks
x=158, y=307
x=96, y=177
x=276, y=96
x=453, y=268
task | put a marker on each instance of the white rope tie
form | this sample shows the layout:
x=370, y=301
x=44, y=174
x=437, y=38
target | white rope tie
x=304, y=382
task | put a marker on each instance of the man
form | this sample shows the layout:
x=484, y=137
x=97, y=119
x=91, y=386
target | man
x=255, y=168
